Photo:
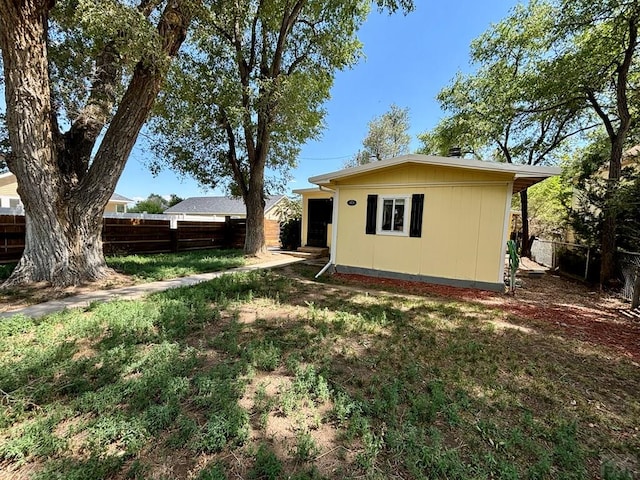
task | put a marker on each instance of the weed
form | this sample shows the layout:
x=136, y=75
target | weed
x=568, y=453
x=228, y=427
x=343, y=408
x=306, y=447
x=372, y=446
x=610, y=471
x=414, y=387
x=33, y=438
x=213, y=471
x=266, y=465
x=186, y=429
x=264, y=355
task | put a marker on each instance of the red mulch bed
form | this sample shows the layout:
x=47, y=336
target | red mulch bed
x=554, y=303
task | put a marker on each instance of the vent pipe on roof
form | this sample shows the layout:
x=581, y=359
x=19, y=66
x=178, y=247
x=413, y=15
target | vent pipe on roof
x=455, y=152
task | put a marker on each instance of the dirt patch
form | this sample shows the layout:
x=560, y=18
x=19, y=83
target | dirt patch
x=14, y=299
x=553, y=302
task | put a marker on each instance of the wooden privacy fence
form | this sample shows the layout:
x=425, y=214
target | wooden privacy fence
x=136, y=235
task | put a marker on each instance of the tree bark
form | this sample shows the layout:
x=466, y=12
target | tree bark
x=525, y=249
x=254, y=243
x=617, y=138
x=608, y=244
x=64, y=201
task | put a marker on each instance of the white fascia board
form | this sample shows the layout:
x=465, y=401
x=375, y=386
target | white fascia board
x=517, y=170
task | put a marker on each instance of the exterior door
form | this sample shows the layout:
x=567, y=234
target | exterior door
x=320, y=213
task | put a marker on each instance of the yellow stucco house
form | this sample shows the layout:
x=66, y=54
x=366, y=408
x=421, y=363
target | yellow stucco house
x=9, y=197
x=418, y=217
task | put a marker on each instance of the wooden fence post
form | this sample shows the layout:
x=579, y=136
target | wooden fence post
x=635, y=298
x=174, y=232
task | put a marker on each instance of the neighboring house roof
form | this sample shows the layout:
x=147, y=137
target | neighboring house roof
x=117, y=198
x=223, y=206
x=524, y=175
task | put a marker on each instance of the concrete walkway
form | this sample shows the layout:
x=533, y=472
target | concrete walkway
x=136, y=291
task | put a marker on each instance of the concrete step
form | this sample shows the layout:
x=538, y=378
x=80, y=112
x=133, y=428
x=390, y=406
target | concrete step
x=320, y=251
x=307, y=255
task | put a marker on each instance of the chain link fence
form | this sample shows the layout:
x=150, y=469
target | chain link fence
x=584, y=262
x=629, y=267
x=578, y=260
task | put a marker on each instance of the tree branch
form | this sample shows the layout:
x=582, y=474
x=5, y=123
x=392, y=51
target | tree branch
x=232, y=154
x=134, y=108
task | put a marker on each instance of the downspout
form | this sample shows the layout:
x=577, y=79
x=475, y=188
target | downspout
x=334, y=230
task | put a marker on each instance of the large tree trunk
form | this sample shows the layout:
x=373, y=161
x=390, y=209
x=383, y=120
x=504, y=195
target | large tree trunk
x=608, y=245
x=65, y=194
x=525, y=249
x=72, y=252
x=254, y=243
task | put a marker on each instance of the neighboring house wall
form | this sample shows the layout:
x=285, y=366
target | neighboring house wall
x=272, y=214
x=464, y=222
x=9, y=197
x=115, y=207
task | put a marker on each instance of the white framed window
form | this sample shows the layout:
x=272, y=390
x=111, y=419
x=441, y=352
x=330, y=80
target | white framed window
x=120, y=208
x=393, y=215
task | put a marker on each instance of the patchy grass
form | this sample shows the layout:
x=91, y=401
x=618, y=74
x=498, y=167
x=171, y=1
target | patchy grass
x=130, y=269
x=271, y=376
x=163, y=266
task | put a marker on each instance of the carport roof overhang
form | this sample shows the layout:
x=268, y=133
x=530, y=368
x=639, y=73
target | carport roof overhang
x=523, y=175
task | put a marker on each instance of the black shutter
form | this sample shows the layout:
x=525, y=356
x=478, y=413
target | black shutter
x=372, y=213
x=417, y=206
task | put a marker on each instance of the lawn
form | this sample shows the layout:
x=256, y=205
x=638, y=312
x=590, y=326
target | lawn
x=270, y=375
x=161, y=266
x=130, y=269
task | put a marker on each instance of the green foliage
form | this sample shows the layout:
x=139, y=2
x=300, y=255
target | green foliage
x=213, y=471
x=548, y=212
x=588, y=201
x=155, y=203
x=248, y=93
x=507, y=120
x=264, y=355
x=231, y=425
x=306, y=447
x=387, y=137
x=291, y=234
x=289, y=209
x=266, y=466
x=82, y=31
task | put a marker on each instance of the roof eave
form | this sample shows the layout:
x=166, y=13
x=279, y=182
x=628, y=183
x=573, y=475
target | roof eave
x=519, y=171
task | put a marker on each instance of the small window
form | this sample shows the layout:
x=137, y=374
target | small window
x=393, y=215
x=120, y=208
x=15, y=203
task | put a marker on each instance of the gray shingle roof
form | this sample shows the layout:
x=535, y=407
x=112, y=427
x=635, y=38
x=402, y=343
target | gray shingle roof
x=119, y=198
x=219, y=205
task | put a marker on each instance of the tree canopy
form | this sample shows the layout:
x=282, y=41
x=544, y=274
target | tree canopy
x=250, y=89
x=387, y=137
x=501, y=111
x=155, y=203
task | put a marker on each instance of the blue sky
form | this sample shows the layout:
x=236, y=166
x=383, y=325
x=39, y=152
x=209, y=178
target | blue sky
x=408, y=60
